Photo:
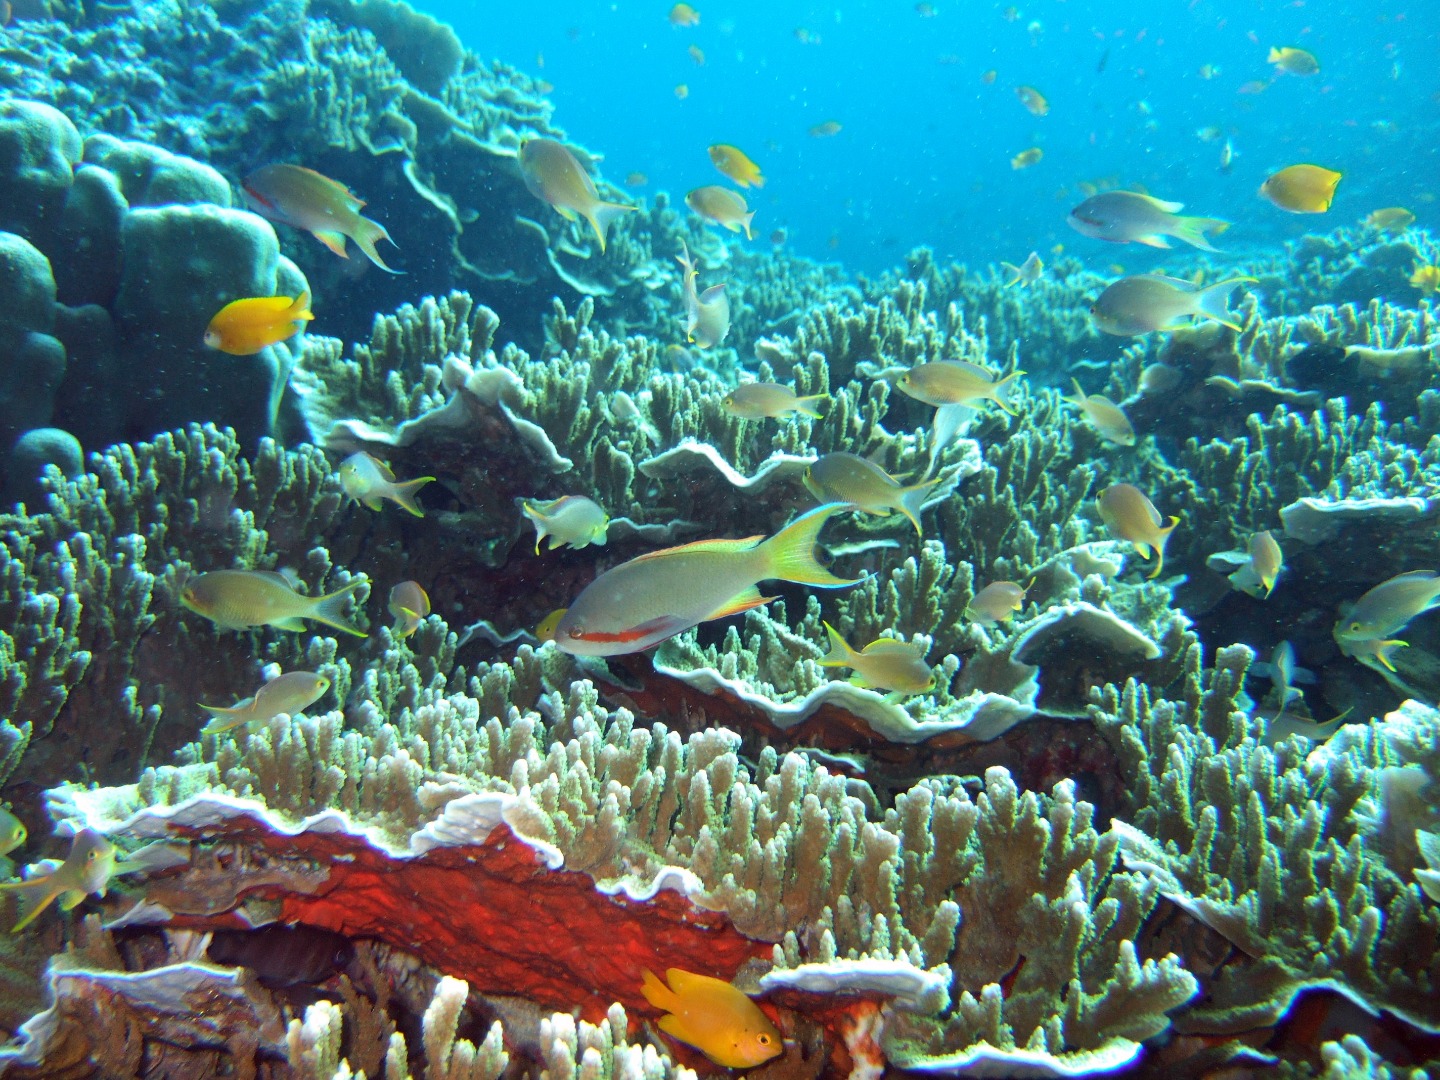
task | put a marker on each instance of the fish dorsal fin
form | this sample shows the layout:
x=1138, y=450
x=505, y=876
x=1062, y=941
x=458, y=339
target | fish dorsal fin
x=275, y=577
x=883, y=646
x=384, y=467
x=743, y=544
x=335, y=186
x=712, y=294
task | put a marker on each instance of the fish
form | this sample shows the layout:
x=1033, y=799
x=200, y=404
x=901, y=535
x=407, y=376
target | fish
x=1367, y=649
x=714, y=1017
x=997, y=602
x=571, y=520
x=988, y=77
x=926, y=11
x=368, y=480
x=1010, y=14
x=1209, y=71
x=87, y=869
x=722, y=206
x=1158, y=378
x=759, y=400
x=409, y=603
x=290, y=693
x=553, y=175
x=643, y=602
x=545, y=628
x=707, y=314
x=1302, y=189
x=736, y=164
x=957, y=382
x=848, y=478
x=1228, y=154
x=242, y=599
x=1254, y=86
x=244, y=327
x=825, y=129
x=684, y=15
x=1392, y=219
x=1138, y=305
x=1104, y=415
x=1128, y=514
x=13, y=833
x=1027, y=273
x=697, y=54
x=304, y=199
x=1426, y=278
x=885, y=664
x=1209, y=134
x=1266, y=559
x=1124, y=217
x=1388, y=607
x=282, y=955
x=636, y=179
x=1292, y=61
x=1033, y=100
x=1026, y=158
x=682, y=91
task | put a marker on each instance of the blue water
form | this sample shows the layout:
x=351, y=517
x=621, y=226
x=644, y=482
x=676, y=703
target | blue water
x=924, y=154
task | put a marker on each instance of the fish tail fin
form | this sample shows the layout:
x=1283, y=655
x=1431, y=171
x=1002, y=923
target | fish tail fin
x=746, y=222
x=912, y=500
x=1013, y=271
x=809, y=410
x=657, y=993
x=1159, y=546
x=1382, y=653
x=300, y=308
x=366, y=233
x=1214, y=302
x=34, y=896
x=1003, y=389
x=330, y=609
x=1192, y=230
x=602, y=215
x=789, y=555
x=840, y=653
x=405, y=494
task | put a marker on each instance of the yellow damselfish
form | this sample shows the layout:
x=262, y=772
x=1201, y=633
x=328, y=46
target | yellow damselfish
x=884, y=664
x=553, y=175
x=1302, y=189
x=736, y=164
x=714, y=1017
x=244, y=327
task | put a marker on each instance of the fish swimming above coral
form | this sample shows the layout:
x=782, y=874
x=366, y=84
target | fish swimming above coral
x=290, y=693
x=1389, y=607
x=13, y=833
x=707, y=314
x=854, y=480
x=409, y=603
x=1148, y=302
x=571, y=520
x=885, y=664
x=86, y=870
x=997, y=602
x=642, y=602
x=553, y=175
x=1026, y=274
x=244, y=599
x=368, y=480
x=957, y=382
x=244, y=327
x=722, y=206
x=1128, y=514
x=736, y=164
x=304, y=199
x=1302, y=189
x=763, y=400
x=1104, y=415
x=1124, y=217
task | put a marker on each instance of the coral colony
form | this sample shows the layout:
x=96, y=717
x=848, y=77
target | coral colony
x=994, y=765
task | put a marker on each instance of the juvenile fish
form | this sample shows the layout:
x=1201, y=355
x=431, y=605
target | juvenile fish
x=552, y=175
x=290, y=693
x=572, y=520
x=368, y=480
x=760, y=400
x=244, y=327
x=714, y=1017
x=86, y=870
x=1128, y=514
x=242, y=599
x=884, y=664
x=409, y=603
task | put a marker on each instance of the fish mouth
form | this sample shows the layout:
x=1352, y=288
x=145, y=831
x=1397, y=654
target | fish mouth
x=1084, y=220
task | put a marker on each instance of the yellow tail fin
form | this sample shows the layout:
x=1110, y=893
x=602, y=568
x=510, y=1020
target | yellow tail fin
x=790, y=554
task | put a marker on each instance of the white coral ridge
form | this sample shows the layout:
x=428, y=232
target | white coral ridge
x=675, y=878
x=119, y=810
x=982, y=1059
x=1096, y=624
x=692, y=456
x=1314, y=521
x=908, y=985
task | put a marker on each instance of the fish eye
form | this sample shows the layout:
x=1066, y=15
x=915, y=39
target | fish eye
x=1354, y=626
x=577, y=631
x=763, y=1039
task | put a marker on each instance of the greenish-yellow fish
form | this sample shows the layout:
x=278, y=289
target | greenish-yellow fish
x=707, y=314
x=1104, y=415
x=12, y=831
x=1139, y=305
x=1389, y=606
x=304, y=199
x=1026, y=274
x=642, y=602
x=242, y=599
x=759, y=400
x=409, y=603
x=1128, y=514
x=884, y=664
x=722, y=206
x=289, y=693
x=956, y=382
x=1124, y=217
x=997, y=602
x=848, y=478
x=554, y=176
x=87, y=869
x=572, y=520
x=368, y=480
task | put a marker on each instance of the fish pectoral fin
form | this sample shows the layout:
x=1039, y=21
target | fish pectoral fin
x=294, y=622
x=70, y=899
x=1153, y=241
x=676, y=1028
x=333, y=240
x=746, y=600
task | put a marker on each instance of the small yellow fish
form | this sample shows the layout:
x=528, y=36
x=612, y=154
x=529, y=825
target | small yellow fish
x=682, y=91
x=1131, y=516
x=1392, y=219
x=1158, y=378
x=997, y=602
x=1138, y=305
x=242, y=599
x=290, y=693
x=572, y=520
x=1426, y=279
x=736, y=164
x=1388, y=607
x=1366, y=649
x=722, y=206
x=988, y=77
x=244, y=327
x=1291, y=61
x=409, y=603
x=12, y=831
x=304, y=199
x=1124, y=217
x=1033, y=100
x=957, y=382
x=636, y=179
x=759, y=400
x=825, y=129
x=1266, y=559
x=684, y=15
x=643, y=602
x=1208, y=71
x=884, y=664
x=1302, y=189
x=848, y=478
x=552, y=175
x=87, y=869
x=697, y=54
x=1026, y=274
x=545, y=628
x=368, y=480
x=1254, y=86
x=707, y=314
x=714, y=1017
x=1027, y=158
x=1104, y=415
